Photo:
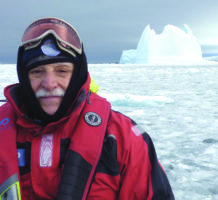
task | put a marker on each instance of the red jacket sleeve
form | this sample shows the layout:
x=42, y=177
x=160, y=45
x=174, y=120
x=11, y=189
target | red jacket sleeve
x=142, y=176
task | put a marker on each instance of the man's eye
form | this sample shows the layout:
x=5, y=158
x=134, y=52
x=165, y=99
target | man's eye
x=35, y=71
x=62, y=71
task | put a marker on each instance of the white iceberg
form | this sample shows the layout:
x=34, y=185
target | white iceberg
x=172, y=46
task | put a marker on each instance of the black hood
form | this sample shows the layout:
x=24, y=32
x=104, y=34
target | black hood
x=35, y=111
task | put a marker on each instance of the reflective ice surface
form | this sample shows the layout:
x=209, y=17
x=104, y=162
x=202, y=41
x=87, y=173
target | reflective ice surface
x=177, y=106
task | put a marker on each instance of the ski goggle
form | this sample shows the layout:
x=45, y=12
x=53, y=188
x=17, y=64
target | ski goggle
x=67, y=37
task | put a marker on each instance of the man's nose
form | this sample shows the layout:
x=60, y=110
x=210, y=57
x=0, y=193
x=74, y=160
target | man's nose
x=49, y=81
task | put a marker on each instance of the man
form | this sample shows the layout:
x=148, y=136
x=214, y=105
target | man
x=60, y=140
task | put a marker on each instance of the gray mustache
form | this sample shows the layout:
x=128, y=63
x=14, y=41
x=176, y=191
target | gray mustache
x=44, y=93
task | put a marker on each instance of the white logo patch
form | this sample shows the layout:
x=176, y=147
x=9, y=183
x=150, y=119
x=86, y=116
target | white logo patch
x=92, y=119
x=49, y=48
x=46, y=150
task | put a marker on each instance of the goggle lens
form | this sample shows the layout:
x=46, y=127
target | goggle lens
x=64, y=33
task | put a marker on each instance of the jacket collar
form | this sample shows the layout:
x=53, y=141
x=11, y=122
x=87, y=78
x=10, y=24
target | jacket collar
x=14, y=97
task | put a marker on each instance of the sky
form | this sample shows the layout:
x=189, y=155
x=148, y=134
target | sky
x=108, y=27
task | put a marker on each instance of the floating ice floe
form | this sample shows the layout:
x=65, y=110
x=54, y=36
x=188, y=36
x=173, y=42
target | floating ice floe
x=118, y=99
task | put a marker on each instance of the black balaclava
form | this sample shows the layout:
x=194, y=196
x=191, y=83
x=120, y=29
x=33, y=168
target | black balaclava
x=78, y=78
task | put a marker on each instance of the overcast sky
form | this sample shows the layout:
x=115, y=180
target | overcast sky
x=107, y=27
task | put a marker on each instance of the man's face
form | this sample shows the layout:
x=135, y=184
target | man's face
x=49, y=82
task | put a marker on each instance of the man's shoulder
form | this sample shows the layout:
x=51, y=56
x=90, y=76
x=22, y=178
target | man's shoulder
x=120, y=117
x=124, y=125
x=6, y=110
x=7, y=119
x=119, y=123
x=95, y=96
x=4, y=107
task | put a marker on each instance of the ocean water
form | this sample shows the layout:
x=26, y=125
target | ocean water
x=177, y=106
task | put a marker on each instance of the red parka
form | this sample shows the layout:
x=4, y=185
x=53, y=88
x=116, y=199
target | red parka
x=92, y=153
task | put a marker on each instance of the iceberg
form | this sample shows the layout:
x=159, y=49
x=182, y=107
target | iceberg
x=172, y=46
x=128, y=56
